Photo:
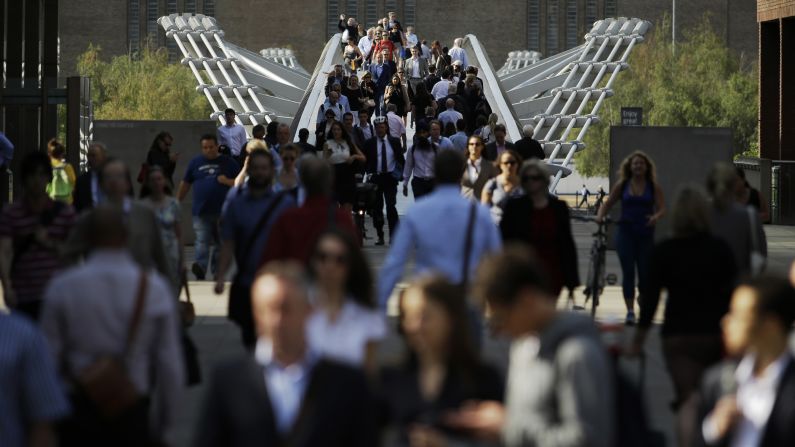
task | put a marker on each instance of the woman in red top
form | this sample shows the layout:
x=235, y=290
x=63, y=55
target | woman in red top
x=541, y=221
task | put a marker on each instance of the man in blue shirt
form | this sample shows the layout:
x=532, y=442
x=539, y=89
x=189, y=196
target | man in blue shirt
x=245, y=228
x=32, y=399
x=436, y=229
x=211, y=174
x=460, y=138
x=437, y=137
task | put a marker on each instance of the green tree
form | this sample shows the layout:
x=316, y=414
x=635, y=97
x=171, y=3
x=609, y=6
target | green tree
x=142, y=86
x=702, y=84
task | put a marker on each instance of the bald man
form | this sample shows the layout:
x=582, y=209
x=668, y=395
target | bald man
x=286, y=394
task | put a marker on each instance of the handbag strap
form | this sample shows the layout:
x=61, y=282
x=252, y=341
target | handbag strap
x=277, y=199
x=468, y=244
x=138, y=308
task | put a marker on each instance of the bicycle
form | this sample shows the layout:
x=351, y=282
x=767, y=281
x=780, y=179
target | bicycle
x=597, y=277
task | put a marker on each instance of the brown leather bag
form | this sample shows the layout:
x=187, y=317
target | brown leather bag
x=106, y=382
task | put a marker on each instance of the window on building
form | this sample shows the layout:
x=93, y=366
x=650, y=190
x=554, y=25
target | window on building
x=371, y=13
x=133, y=24
x=391, y=5
x=590, y=14
x=151, y=21
x=572, y=31
x=534, y=25
x=190, y=6
x=410, y=11
x=352, y=9
x=209, y=8
x=171, y=8
x=552, y=27
x=333, y=15
x=611, y=10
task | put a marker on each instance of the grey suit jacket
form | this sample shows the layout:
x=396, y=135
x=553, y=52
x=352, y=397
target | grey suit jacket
x=408, y=67
x=472, y=190
x=144, y=240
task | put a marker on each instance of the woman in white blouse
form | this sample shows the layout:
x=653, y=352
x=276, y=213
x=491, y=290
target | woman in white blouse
x=341, y=152
x=346, y=325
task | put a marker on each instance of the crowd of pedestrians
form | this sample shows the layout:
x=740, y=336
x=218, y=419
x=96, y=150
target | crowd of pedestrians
x=95, y=349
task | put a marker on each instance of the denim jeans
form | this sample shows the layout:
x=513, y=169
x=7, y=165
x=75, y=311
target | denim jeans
x=634, y=251
x=207, y=235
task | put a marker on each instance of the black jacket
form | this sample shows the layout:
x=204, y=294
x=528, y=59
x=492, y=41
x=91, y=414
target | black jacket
x=529, y=148
x=337, y=409
x=370, y=152
x=83, y=199
x=719, y=382
x=490, y=151
x=515, y=227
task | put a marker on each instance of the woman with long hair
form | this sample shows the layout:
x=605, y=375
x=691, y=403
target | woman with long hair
x=286, y=178
x=698, y=272
x=156, y=193
x=642, y=206
x=441, y=371
x=353, y=56
x=487, y=131
x=341, y=152
x=355, y=94
x=346, y=326
x=396, y=94
x=160, y=155
x=541, y=220
x=504, y=186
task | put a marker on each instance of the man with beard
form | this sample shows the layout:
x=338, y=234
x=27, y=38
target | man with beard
x=245, y=227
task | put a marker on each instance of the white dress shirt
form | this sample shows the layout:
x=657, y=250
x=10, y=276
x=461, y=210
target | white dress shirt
x=286, y=385
x=459, y=54
x=473, y=169
x=234, y=137
x=345, y=339
x=390, y=155
x=365, y=45
x=412, y=40
x=440, y=89
x=396, y=126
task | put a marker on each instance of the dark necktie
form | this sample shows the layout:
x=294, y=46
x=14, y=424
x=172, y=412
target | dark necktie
x=383, y=155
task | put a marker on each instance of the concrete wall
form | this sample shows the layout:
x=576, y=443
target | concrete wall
x=130, y=141
x=681, y=154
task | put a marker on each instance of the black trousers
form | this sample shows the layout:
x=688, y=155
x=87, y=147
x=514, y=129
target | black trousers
x=421, y=186
x=387, y=194
x=241, y=313
x=86, y=428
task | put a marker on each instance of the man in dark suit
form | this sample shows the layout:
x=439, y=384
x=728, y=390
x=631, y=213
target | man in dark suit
x=495, y=149
x=478, y=172
x=87, y=190
x=753, y=403
x=382, y=72
x=285, y=394
x=385, y=162
x=527, y=147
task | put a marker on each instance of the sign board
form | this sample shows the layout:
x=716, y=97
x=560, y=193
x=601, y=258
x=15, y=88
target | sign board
x=631, y=116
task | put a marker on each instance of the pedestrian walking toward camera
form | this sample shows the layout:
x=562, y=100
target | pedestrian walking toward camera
x=245, y=226
x=642, y=206
x=157, y=194
x=231, y=137
x=504, y=186
x=345, y=325
x=478, y=170
x=540, y=220
x=698, y=271
x=32, y=235
x=211, y=174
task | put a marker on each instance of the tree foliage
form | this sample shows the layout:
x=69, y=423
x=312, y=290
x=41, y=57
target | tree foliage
x=141, y=86
x=703, y=83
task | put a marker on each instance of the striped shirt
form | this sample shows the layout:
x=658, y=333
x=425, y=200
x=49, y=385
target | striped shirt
x=29, y=385
x=33, y=268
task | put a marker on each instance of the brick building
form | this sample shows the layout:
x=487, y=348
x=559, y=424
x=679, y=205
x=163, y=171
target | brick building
x=776, y=74
x=548, y=26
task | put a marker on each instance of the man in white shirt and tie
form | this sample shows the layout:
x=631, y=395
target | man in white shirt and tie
x=385, y=161
x=231, y=134
x=416, y=68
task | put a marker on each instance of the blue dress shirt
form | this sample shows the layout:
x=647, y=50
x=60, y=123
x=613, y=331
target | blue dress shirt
x=443, y=143
x=459, y=140
x=435, y=228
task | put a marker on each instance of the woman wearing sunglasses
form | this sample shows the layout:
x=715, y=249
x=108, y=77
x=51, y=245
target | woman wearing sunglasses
x=346, y=325
x=506, y=185
x=541, y=221
x=287, y=175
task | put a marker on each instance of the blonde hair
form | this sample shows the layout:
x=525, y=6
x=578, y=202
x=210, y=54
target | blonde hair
x=625, y=170
x=257, y=145
x=690, y=214
x=720, y=184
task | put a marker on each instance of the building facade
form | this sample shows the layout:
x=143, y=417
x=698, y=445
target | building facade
x=547, y=26
x=776, y=73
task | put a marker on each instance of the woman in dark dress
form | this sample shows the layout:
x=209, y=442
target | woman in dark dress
x=342, y=152
x=368, y=92
x=394, y=94
x=355, y=94
x=160, y=155
x=441, y=372
x=541, y=221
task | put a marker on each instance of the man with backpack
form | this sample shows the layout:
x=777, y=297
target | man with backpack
x=561, y=386
x=245, y=227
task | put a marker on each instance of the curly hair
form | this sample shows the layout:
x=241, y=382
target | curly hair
x=625, y=170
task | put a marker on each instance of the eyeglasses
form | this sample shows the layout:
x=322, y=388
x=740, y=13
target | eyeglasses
x=324, y=257
x=535, y=178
